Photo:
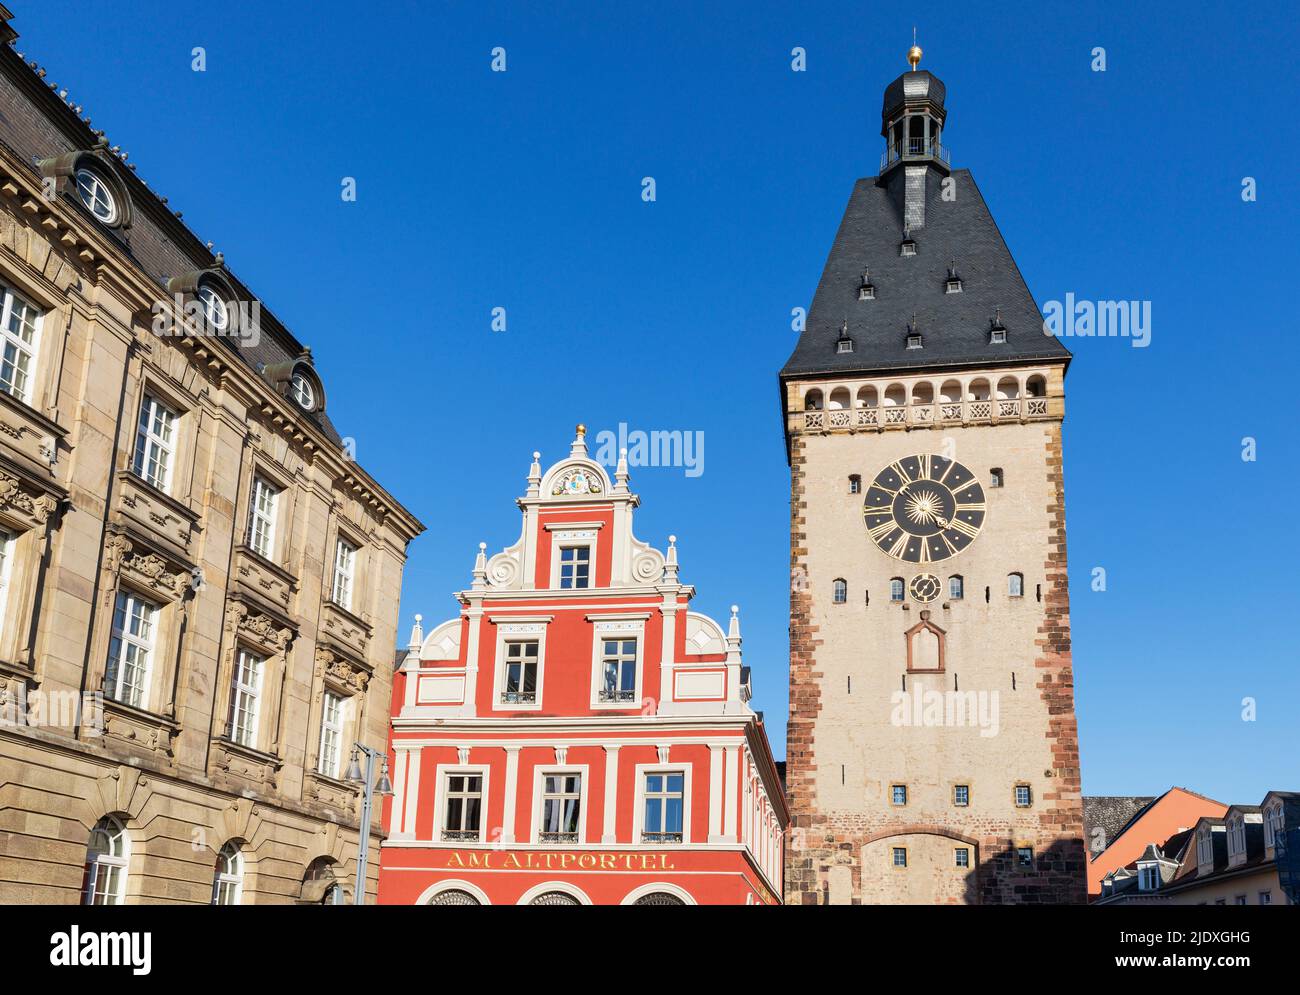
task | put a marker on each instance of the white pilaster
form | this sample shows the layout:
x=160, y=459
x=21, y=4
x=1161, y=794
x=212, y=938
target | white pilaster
x=610, y=833
x=715, y=794
x=512, y=789
x=731, y=799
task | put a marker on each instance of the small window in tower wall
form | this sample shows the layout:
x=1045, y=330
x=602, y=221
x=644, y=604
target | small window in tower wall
x=844, y=345
x=961, y=856
x=900, y=856
x=898, y=794
x=914, y=342
x=1016, y=585
x=855, y=484
x=907, y=249
x=1024, y=796
x=896, y=589
x=995, y=477
x=956, y=587
x=997, y=336
x=840, y=591
x=961, y=795
x=1024, y=856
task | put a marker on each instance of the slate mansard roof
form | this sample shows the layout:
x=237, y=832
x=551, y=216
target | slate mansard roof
x=37, y=124
x=954, y=327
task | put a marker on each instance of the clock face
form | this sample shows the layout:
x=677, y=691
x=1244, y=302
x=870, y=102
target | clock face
x=924, y=508
x=924, y=587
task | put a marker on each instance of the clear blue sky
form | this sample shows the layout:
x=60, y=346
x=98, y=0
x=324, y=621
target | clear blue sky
x=522, y=190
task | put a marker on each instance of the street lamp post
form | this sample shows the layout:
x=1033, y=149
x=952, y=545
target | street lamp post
x=369, y=787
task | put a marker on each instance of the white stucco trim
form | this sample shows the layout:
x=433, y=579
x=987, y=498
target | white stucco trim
x=564, y=886
x=454, y=885
x=649, y=889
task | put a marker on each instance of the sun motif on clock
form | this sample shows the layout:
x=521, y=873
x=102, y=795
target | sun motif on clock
x=922, y=509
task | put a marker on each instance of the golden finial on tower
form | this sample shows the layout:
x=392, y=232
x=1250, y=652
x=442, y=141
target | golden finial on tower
x=582, y=430
x=914, y=53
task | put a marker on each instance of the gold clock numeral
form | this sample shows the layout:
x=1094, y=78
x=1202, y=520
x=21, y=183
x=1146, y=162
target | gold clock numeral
x=925, y=551
x=965, y=528
x=974, y=506
x=881, y=530
x=898, y=468
x=952, y=550
x=900, y=546
x=924, y=460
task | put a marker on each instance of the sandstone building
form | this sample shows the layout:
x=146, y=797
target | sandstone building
x=932, y=753
x=198, y=585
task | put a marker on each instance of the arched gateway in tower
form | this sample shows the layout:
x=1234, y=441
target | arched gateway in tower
x=932, y=748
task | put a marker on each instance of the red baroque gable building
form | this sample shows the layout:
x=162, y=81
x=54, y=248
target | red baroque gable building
x=578, y=735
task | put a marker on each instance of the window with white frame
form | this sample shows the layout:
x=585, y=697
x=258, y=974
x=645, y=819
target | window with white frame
x=20, y=325
x=839, y=591
x=7, y=540
x=245, y=697
x=215, y=310
x=1148, y=877
x=896, y=589
x=130, y=650
x=104, y=882
x=463, y=807
x=1266, y=898
x=561, y=808
x=1237, y=835
x=1024, y=856
x=155, y=443
x=345, y=564
x=956, y=587
x=519, y=684
x=331, y=734
x=575, y=567
x=618, y=670
x=1272, y=824
x=665, y=798
x=228, y=878
x=97, y=195
x=1024, y=796
x=961, y=856
x=1204, y=848
x=898, y=794
x=302, y=391
x=961, y=795
x=261, y=518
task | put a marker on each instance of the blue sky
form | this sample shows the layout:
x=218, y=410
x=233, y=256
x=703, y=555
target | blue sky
x=522, y=190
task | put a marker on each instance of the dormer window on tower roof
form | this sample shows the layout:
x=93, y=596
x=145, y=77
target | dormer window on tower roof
x=908, y=246
x=997, y=330
x=866, y=292
x=844, y=343
x=953, y=285
x=913, y=335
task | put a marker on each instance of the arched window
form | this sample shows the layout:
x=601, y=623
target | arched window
x=1016, y=585
x=867, y=397
x=1036, y=386
x=812, y=401
x=996, y=477
x=896, y=589
x=555, y=898
x=855, y=484
x=454, y=896
x=956, y=587
x=320, y=885
x=839, y=399
x=659, y=898
x=228, y=880
x=840, y=591
x=106, y=862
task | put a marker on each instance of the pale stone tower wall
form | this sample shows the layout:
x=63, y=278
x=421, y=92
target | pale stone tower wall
x=845, y=748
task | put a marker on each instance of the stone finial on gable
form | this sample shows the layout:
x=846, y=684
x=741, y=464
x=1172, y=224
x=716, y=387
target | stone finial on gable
x=579, y=447
x=620, y=473
x=480, y=568
x=535, y=476
x=417, y=635
x=733, y=636
x=670, y=565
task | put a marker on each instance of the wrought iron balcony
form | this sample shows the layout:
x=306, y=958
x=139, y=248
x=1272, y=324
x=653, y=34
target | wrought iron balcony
x=913, y=148
x=460, y=835
x=557, y=837
x=661, y=837
x=518, y=697
x=614, y=694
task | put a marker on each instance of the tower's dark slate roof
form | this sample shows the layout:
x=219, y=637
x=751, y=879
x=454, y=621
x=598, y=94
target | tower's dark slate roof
x=954, y=327
x=913, y=86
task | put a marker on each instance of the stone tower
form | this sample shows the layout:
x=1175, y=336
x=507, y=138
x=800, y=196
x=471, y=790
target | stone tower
x=932, y=750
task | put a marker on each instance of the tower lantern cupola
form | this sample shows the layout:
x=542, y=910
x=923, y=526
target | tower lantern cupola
x=912, y=118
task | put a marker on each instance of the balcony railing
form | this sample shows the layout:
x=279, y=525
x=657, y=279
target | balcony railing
x=518, y=697
x=661, y=837
x=925, y=414
x=913, y=148
x=614, y=694
x=460, y=835
x=557, y=837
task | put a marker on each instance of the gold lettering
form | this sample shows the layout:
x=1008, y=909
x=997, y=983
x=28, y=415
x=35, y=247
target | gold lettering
x=587, y=860
x=455, y=859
